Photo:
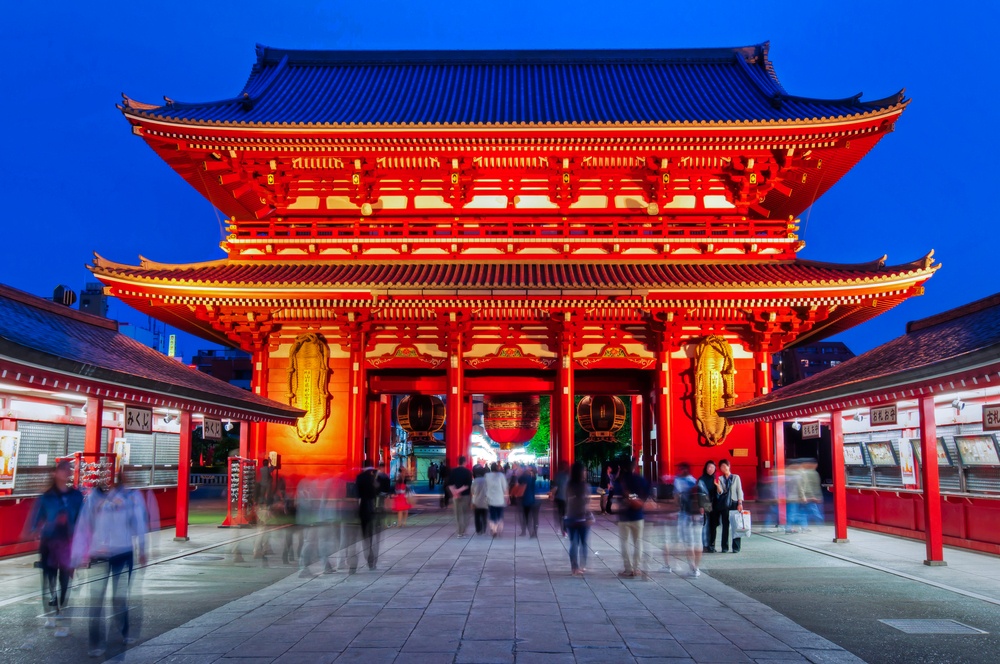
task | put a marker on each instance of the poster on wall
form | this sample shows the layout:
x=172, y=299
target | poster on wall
x=10, y=441
x=122, y=451
x=907, y=467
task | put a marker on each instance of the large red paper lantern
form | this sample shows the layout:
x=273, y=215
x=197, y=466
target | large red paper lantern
x=421, y=415
x=601, y=416
x=510, y=419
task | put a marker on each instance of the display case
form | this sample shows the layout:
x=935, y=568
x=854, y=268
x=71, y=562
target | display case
x=943, y=456
x=978, y=450
x=853, y=455
x=882, y=453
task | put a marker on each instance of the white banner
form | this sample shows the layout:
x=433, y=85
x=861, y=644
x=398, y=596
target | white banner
x=211, y=429
x=907, y=467
x=10, y=441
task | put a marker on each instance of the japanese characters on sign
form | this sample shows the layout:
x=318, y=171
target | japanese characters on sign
x=10, y=441
x=138, y=420
x=212, y=429
x=884, y=415
x=991, y=418
x=810, y=430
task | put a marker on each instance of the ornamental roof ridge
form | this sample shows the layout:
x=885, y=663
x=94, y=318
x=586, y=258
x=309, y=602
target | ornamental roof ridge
x=725, y=87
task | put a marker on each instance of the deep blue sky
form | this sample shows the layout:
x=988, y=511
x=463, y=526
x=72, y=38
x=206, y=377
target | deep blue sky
x=76, y=180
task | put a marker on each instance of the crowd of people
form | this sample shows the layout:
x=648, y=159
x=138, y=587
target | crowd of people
x=335, y=522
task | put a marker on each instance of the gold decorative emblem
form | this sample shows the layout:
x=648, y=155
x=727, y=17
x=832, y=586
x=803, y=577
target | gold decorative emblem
x=509, y=351
x=308, y=374
x=714, y=388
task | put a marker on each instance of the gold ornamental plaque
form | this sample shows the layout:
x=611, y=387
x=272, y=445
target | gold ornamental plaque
x=714, y=388
x=308, y=373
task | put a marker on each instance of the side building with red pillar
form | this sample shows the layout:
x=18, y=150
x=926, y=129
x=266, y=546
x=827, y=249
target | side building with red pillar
x=514, y=224
x=72, y=387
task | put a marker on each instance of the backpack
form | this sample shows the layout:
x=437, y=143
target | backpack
x=699, y=497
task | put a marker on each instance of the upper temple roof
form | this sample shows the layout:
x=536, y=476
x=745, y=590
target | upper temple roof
x=662, y=86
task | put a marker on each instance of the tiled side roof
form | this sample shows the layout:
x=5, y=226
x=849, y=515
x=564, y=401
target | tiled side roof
x=47, y=335
x=951, y=346
x=720, y=85
x=565, y=275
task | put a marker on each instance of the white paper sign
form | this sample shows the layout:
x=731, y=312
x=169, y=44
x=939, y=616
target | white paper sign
x=211, y=429
x=10, y=441
x=907, y=467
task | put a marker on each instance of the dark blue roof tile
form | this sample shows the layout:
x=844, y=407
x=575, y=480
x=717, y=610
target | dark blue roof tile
x=720, y=85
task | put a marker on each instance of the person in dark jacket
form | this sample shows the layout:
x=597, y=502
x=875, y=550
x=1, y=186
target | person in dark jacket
x=711, y=526
x=53, y=520
x=633, y=490
x=578, y=517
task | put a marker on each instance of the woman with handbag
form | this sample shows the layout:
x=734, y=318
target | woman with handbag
x=730, y=498
x=401, y=499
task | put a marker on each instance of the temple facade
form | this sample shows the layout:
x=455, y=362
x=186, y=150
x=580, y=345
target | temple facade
x=518, y=223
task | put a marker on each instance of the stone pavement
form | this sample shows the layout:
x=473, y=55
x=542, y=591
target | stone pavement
x=437, y=598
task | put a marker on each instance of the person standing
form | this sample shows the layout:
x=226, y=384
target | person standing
x=432, y=475
x=578, y=517
x=730, y=498
x=559, y=494
x=460, y=487
x=711, y=526
x=529, y=502
x=496, y=498
x=112, y=527
x=605, y=485
x=633, y=490
x=367, y=487
x=443, y=472
x=480, y=504
x=401, y=499
x=53, y=520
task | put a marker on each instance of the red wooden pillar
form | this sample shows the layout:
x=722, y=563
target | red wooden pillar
x=637, y=443
x=257, y=431
x=454, y=447
x=356, y=402
x=95, y=418
x=372, y=435
x=385, y=423
x=183, y=478
x=554, y=435
x=567, y=407
x=244, y=439
x=779, y=473
x=763, y=430
x=467, y=429
x=839, y=478
x=664, y=455
x=932, y=489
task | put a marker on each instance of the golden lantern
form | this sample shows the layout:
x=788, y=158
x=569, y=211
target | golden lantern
x=308, y=374
x=714, y=388
x=601, y=416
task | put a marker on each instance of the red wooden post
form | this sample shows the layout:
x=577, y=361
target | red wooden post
x=779, y=473
x=567, y=405
x=648, y=467
x=555, y=402
x=385, y=423
x=95, y=418
x=256, y=441
x=356, y=401
x=453, y=446
x=932, y=489
x=762, y=429
x=467, y=429
x=664, y=460
x=372, y=434
x=839, y=478
x=244, y=439
x=183, y=478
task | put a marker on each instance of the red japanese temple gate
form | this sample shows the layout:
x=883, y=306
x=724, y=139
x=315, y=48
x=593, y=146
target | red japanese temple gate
x=525, y=222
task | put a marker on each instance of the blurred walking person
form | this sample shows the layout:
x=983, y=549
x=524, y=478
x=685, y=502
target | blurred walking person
x=480, y=504
x=111, y=530
x=368, y=490
x=401, y=499
x=633, y=490
x=529, y=501
x=559, y=482
x=53, y=520
x=496, y=498
x=578, y=517
x=460, y=487
x=692, y=497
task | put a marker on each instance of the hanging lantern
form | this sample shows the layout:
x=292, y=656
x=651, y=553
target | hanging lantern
x=510, y=420
x=601, y=416
x=420, y=415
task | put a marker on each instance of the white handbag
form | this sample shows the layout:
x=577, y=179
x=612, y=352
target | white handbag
x=739, y=523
